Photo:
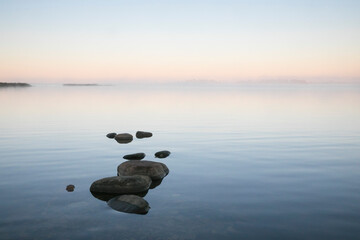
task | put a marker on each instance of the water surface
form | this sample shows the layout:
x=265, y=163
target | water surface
x=248, y=161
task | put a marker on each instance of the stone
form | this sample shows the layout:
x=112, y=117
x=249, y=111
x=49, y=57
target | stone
x=155, y=170
x=123, y=138
x=107, y=196
x=121, y=184
x=141, y=134
x=111, y=135
x=70, y=188
x=129, y=204
x=162, y=154
x=135, y=156
x=155, y=183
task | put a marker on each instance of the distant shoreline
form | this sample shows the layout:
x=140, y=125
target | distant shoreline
x=79, y=84
x=18, y=84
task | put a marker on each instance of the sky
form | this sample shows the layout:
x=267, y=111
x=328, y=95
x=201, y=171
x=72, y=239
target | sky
x=95, y=41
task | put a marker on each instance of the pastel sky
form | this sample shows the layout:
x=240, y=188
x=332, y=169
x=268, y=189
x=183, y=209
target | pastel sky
x=111, y=40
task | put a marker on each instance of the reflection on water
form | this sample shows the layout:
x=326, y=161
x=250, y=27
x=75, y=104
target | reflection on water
x=248, y=161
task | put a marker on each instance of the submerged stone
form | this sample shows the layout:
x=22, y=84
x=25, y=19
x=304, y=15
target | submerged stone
x=124, y=138
x=121, y=184
x=135, y=156
x=162, y=154
x=129, y=204
x=111, y=135
x=155, y=170
x=142, y=134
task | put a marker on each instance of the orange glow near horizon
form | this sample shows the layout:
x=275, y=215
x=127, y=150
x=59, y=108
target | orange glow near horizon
x=217, y=69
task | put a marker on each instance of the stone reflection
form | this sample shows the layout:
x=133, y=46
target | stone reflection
x=125, y=192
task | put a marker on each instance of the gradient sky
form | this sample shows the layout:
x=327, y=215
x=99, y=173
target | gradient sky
x=53, y=41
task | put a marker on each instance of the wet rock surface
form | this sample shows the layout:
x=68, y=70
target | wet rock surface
x=124, y=138
x=129, y=204
x=107, y=196
x=121, y=184
x=142, y=134
x=111, y=135
x=162, y=154
x=125, y=192
x=155, y=170
x=134, y=156
x=155, y=183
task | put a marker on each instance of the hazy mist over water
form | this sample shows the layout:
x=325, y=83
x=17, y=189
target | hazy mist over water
x=251, y=161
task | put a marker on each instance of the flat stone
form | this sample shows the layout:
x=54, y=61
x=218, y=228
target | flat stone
x=155, y=170
x=162, y=154
x=135, y=156
x=124, y=138
x=121, y=184
x=129, y=204
x=142, y=134
x=111, y=135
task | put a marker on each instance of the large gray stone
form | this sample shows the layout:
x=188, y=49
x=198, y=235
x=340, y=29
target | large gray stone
x=121, y=184
x=155, y=170
x=124, y=138
x=129, y=204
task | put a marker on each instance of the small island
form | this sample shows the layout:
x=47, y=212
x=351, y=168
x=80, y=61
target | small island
x=6, y=84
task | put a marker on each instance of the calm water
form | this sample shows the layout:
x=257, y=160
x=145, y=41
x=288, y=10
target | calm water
x=247, y=162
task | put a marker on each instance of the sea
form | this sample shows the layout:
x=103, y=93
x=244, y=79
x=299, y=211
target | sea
x=248, y=161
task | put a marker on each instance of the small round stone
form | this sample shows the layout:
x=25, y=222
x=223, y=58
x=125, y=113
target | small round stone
x=70, y=188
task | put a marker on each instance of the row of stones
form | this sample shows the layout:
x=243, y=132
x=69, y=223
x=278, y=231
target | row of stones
x=134, y=179
x=139, y=156
x=127, y=137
